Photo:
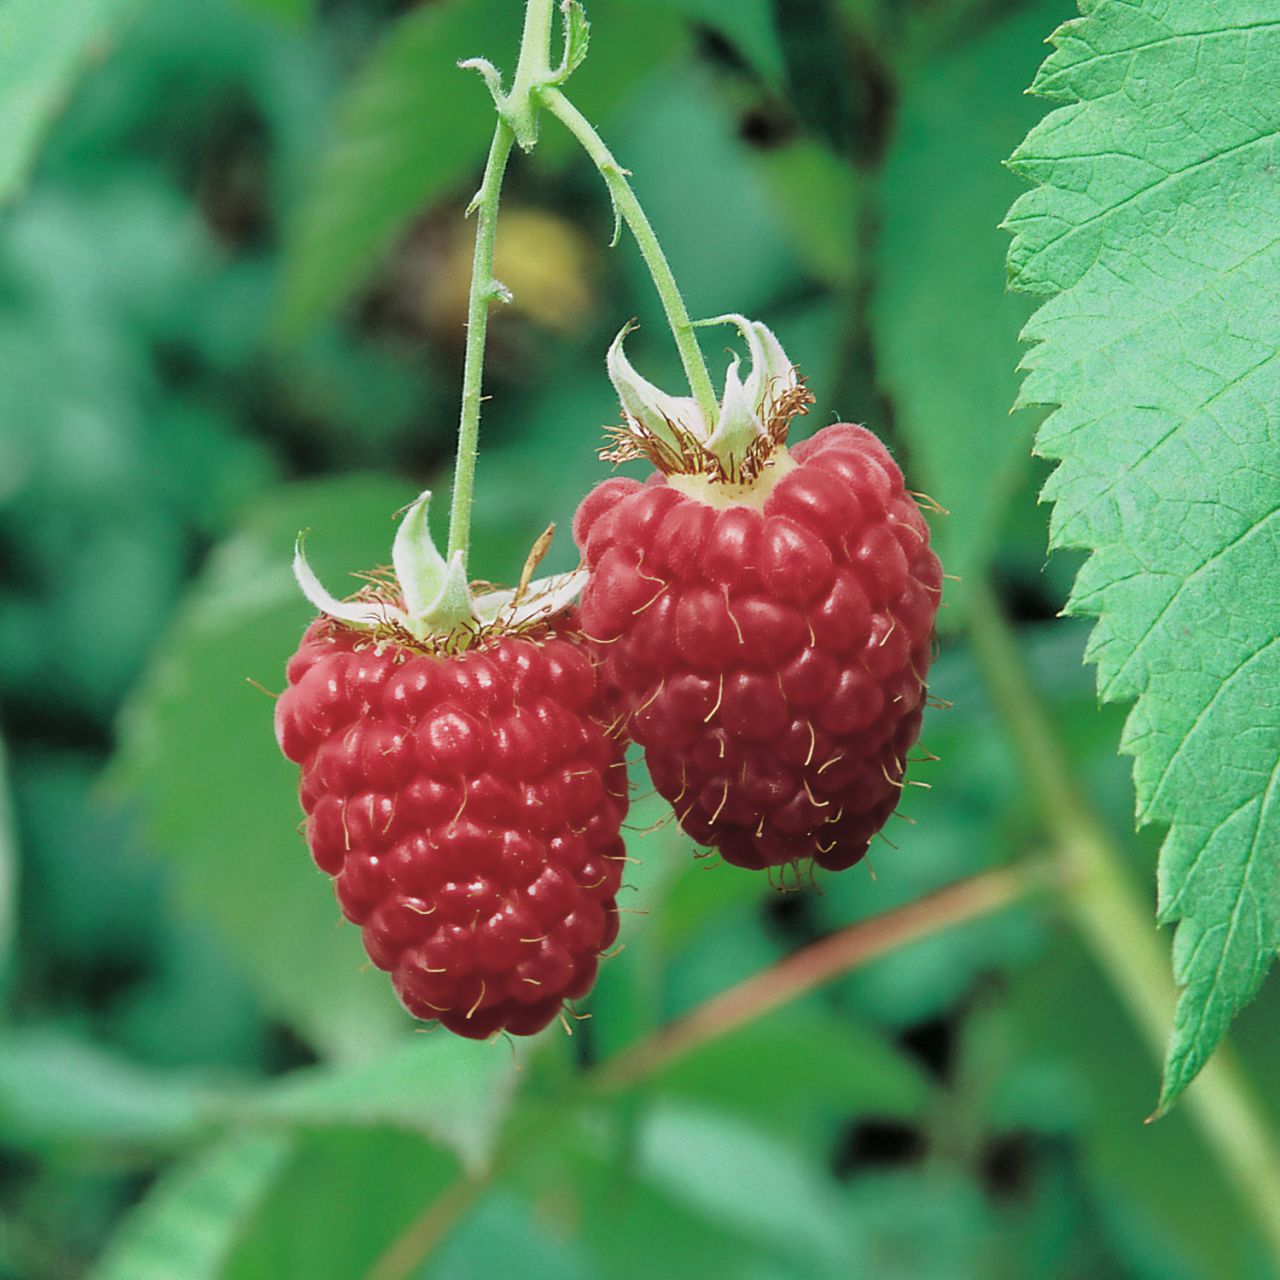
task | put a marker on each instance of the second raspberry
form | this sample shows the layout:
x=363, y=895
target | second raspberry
x=772, y=654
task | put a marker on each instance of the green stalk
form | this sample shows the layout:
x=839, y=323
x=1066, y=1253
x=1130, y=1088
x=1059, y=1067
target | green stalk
x=821, y=962
x=630, y=211
x=532, y=70
x=1119, y=928
x=531, y=89
x=521, y=109
x=484, y=290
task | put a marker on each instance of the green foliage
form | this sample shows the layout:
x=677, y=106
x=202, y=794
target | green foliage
x=747, y=24
x=8, y=876
x=410, y=130
x=723, y=1172
x=1048, y=1077
x=91, y=283
x=946, y=342
x=43, y=48
x=289, y=10
x=471, y=1087
x=194, y=1062
x=341, y=1201
x=812, y=46
x=1153, y=231
x=233, y=839
x=684, y=129
x=820, y=197
x=62, y=1093
x=680, y=1194
x=188, y=1224
x=57, y=1091
x=503, y=1226
x=821, y=1061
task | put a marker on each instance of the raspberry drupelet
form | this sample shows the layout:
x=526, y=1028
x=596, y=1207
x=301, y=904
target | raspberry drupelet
x=767, y=629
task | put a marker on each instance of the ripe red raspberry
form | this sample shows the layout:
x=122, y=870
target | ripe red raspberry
x=770, y=638
x=468, y=808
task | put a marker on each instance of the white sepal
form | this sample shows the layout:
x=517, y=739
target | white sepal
x=450, y=606
x=488, y=606
x=420, y=568
x=436, y=593
x=772, y=373
x=647, y=406
x=740, y=424
x=543, y=599
x=435, y=589
x=356, y=612
x=746, y=408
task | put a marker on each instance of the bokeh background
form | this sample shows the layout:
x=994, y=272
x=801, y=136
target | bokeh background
x=232, y=291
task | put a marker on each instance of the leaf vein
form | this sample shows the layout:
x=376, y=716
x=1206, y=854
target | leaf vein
x=1172, y=38
x=1140, y=643
x=1204, y=711
x=1237, y=903
x=1168, y=176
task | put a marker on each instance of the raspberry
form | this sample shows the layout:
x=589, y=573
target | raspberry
x=468, y=808
x=769, y=638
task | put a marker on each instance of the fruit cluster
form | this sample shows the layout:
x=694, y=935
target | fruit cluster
x=758, y=619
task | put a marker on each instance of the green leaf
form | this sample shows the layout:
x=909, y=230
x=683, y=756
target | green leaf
x=291, y=11
x=504, y=1226
x=676, y=1190
x=343, y=1199
x=189, y=1223
x=726, y=1170
x=833, y=1067
x=456, y=1092
x=411, y=128
x=816, y=57
x=1153, y=229
x=199, y=757
x=931, y=1222
x=945, y=330
x=8, y=876
x=577, y=38
x=57, y=1090
x=821, y=198
x=43, y=49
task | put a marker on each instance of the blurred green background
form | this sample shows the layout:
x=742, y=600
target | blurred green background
x=232, y=288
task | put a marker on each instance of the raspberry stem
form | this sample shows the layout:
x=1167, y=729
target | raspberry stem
x=517, y=121
x=629, y=209
x=484, y=289
x=536, y=85
x=819, y=963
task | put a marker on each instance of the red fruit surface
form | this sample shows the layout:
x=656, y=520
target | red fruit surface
x=772, y=659
x=468, y=809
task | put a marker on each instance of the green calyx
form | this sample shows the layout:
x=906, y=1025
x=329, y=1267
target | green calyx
x=435, y=590
x=433, y=601
x=751, y=416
